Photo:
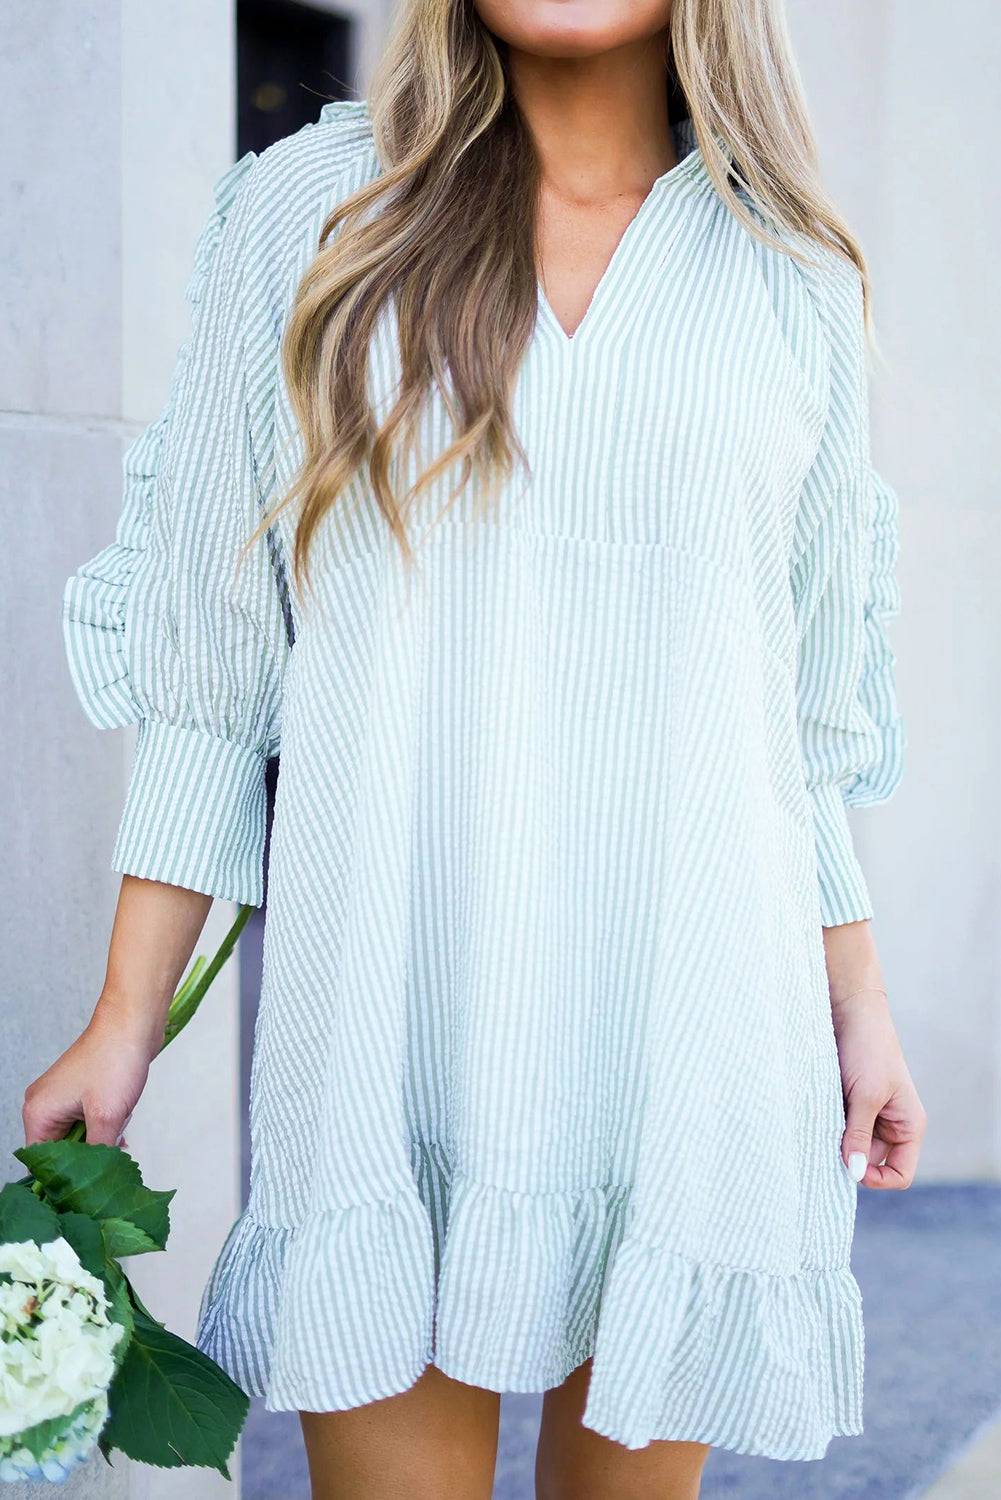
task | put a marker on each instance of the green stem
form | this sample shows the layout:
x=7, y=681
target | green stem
x=199, y=978
x=189, y=979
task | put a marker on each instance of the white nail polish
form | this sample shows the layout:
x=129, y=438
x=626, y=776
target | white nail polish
x=857, y=1163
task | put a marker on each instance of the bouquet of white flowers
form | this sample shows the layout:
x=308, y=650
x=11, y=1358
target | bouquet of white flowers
x=82, y=1361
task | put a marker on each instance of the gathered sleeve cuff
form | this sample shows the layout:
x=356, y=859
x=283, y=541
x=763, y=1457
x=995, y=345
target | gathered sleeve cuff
x=844, y=894
x=195, y=814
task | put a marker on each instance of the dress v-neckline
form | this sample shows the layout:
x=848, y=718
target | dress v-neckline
x=690, y=162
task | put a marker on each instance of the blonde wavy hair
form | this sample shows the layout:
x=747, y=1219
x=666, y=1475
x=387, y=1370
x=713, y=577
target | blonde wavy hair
x=447, y=230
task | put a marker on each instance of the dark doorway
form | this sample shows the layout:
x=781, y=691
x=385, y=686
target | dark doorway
x=291, y=58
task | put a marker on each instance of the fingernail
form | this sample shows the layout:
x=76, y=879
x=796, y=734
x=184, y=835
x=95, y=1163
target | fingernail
x=857, y=1163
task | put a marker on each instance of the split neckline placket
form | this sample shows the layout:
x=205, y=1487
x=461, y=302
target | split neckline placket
x=691, y=170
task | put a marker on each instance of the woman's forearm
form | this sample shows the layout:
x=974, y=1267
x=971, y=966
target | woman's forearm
x=100, y=1076
x=853, y=966
x=154, y=933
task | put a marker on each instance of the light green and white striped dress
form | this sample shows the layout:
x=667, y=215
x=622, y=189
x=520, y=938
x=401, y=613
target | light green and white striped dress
x=544, y=1065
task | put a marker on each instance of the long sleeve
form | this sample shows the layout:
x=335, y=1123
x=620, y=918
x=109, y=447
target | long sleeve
x=162, y=628
x=845, y=591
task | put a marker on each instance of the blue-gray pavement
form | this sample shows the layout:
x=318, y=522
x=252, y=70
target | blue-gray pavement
x=929, y=1264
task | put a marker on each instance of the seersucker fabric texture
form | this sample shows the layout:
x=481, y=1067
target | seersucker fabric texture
x=544, y=1065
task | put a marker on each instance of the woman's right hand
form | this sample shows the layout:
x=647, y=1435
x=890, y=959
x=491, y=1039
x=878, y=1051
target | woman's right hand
x=98, y=1080
x=100, y=1077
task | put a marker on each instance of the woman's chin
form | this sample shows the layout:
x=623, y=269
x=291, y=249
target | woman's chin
x=572, y=28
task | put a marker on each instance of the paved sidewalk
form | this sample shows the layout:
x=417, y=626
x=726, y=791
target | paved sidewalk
x=976, y=1474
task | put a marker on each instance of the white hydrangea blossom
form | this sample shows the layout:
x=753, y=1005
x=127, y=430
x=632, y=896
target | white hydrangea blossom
x=56, y=1356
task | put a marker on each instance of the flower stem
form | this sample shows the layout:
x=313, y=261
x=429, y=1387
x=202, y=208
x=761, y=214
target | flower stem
x=199, y=978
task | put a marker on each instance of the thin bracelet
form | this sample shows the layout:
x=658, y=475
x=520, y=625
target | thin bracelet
x=869, y=989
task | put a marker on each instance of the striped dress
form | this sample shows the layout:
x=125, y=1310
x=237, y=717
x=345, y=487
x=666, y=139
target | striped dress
x=544, y=1064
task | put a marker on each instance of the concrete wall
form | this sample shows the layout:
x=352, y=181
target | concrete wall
x=905, y=100
x=118, y=118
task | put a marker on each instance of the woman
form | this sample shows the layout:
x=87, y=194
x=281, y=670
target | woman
x=566, y=603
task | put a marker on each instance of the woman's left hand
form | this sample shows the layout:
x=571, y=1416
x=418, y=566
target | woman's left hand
x=885, y=1120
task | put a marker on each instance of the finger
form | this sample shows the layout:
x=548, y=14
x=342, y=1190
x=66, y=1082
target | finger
x=103, y=1121
x=856, y=1143
x=897, y=1171
x=42, y=1124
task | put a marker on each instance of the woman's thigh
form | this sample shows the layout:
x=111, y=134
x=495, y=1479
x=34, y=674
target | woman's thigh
x=574, y=1463
x=437, y=1438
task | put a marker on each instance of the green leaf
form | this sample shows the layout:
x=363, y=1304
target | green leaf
x=123, y=1238
x=171, y=1405
x=116, y=1285
x=25, y=1216
x=85, y=1237
x=103, y=1182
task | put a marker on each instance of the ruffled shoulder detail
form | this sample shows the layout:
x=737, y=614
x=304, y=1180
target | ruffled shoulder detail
x=225, y=193
x=344, y=127
x=95, y=598
x=344, y=112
